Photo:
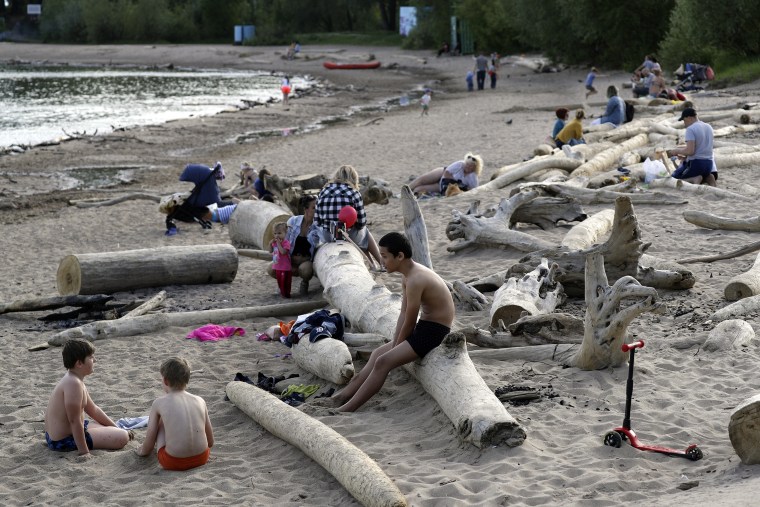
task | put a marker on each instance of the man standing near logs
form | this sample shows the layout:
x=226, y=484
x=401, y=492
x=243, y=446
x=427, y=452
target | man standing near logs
x=698, y=166
x=424, y=295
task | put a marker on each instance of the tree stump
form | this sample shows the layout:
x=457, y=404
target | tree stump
x=744, y=285
x=729, y=334
x=253, y=221
x=744, y=430
x=606, y=321
x=109, y=272
x=535, y=293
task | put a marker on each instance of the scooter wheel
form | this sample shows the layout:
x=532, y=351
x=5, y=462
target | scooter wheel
x=694, y=453
x=613, y=439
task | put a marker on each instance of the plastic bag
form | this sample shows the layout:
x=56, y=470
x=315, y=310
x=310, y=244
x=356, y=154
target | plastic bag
x=654, y=169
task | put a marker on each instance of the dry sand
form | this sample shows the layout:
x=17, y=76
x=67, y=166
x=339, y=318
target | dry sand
x=681, y=396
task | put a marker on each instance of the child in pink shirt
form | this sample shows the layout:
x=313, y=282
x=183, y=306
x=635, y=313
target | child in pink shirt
x=280, y=248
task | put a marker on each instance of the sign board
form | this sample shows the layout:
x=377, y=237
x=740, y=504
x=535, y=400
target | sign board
x=34, y=9
x=407, y=19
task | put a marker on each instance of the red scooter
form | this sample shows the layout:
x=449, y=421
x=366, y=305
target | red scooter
x=615, y=437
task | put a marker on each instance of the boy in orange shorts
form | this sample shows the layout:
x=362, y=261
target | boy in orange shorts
x=179, y=424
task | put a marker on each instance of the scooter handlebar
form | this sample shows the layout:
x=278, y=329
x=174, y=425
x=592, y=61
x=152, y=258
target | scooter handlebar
x=635, y=345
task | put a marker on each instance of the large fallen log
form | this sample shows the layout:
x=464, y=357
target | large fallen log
x=546, y=212
x=729, y=334
x=742, y=430
x=737, y=309
x=685, y=186
x=744, y=285
x=52, y=302
x=598, y=196
x=710, y=221
x=608, y=158
x=108, y=272
x=252, y=223
x=446, y=373
x=158, y=321
x=357, y=472
x=523, y=170
x=327, y=358
x=590, y=231
x=494, y=231
x=535, y=293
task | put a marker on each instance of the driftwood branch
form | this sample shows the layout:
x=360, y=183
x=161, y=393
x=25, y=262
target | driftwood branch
x=53, y=302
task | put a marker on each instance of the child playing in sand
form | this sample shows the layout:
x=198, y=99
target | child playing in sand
x=424, y=296
x=590, y=90
x=66, y=429
x=425, y=102
x=280, y=248
x=470, y=80
x=178, y=424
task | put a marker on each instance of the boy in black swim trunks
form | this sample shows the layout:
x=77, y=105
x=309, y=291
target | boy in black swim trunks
x=424, y=295
x=65, y=426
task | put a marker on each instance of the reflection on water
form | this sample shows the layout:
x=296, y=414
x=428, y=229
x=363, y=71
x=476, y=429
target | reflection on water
x=38, y=103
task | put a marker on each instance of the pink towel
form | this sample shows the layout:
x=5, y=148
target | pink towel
x=214, y=332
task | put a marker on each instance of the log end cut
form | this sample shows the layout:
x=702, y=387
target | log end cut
x=68, y=279
x=493, y=434
x=736, y=290
x=508, y=314
x=744, y=430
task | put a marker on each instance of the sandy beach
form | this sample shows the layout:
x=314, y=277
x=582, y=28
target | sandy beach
x=681, y=396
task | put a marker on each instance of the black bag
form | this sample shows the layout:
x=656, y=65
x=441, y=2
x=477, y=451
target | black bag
x=629, y=111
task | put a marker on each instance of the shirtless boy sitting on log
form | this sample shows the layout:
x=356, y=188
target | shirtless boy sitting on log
x=424, y=294
x=66, y=429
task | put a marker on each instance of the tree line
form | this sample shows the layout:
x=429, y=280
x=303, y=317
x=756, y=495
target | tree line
x=594, y=32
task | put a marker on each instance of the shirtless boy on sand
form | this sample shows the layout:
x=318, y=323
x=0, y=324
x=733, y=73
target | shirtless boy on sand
x=424, y=294
x=179, y=424
x=65, y=426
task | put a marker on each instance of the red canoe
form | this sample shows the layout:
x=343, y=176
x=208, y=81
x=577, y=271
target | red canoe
x=366, y=65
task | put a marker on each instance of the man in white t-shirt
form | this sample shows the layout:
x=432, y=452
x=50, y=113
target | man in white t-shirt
x=699, y=165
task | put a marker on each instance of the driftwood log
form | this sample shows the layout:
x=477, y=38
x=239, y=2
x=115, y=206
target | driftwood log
x=52, y=302
x=729, y=334
x=606, y=322
x=706, y=190
x=87, y=203
x=752, y=247
x=742, y=430
x=263, y=255
x=590, y=231
x=534, y=293
x=327, y=358
x=606, y=159
x=148, y=306
x=446, y=373
x=415, y=228
x=710, y=221
x=597, y=196
x=744, y=285
x=357, y=472
x=108, y=272
x=547, y=212
x=494, y=231
x=252, y=223
x=739, y=308
x=526, y=169
x=157, y=321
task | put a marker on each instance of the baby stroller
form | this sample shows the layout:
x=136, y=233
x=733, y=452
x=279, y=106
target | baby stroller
x=205, y=192
x=691, y=75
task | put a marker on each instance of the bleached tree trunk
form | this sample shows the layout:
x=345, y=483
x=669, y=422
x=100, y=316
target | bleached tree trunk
x=734, y=129
x=608, y=158
x=710, y=221
x=446, y=373
x=744, y=285
x=263, y=255
x=546, y=212
x=494, y=231
x=357, y=472
x=108, y=272
x=534, y=293
x=742, y=430
x=252, y=223
x=327, y=358
x=415, y=228
x=752, y=247
x=738, y=309
x=148, y=306
x=590, y=231
x=606, y=322
x=157, y=321
x=599, y=196
x=684, y=185
x=729, y=334
x=523, y=170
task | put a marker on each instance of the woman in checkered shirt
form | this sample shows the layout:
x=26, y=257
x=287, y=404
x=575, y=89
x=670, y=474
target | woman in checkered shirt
x=343, y=190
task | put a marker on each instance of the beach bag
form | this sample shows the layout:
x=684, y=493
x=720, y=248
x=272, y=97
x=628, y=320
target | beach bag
x=629, y=112
x=654, y=169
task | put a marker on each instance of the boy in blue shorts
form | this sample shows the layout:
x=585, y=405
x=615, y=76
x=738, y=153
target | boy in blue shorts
x=66, y=429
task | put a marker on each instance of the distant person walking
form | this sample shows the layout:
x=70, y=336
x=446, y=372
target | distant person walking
x=481, y=68
x=425, y=102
